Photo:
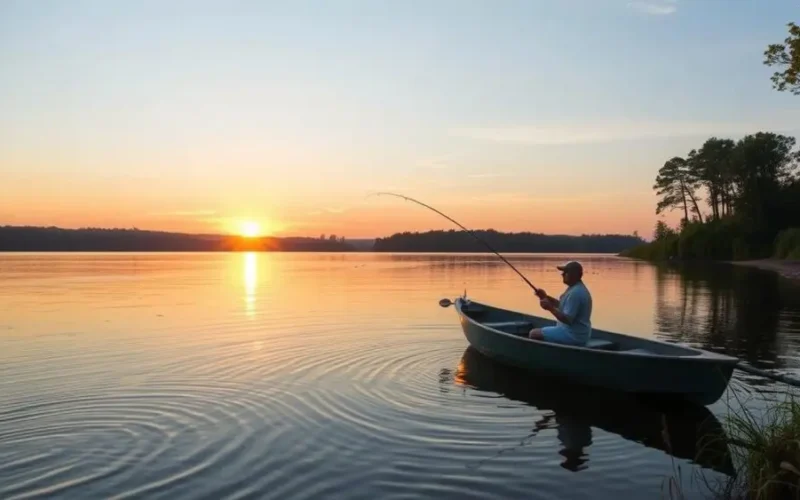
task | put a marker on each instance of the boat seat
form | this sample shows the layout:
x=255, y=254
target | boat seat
x=505, y=325
x=603, y=345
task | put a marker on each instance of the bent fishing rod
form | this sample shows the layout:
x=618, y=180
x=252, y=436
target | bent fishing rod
x=465, y=229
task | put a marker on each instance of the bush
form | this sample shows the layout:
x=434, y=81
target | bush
x=724, y=239
x=787, y=244
x=712, y=240
x=663, y=249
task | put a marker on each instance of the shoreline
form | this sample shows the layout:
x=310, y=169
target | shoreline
x=789, y=269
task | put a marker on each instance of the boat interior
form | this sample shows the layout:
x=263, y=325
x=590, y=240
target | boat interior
x=520, y=324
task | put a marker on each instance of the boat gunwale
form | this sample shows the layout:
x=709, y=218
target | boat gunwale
x=702, y=356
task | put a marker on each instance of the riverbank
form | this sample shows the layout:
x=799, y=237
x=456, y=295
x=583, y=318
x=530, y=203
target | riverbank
x=787, y=268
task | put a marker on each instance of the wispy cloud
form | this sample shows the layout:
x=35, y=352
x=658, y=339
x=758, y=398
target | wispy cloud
x=655, y=7
x=614, y=131
x=328, y=210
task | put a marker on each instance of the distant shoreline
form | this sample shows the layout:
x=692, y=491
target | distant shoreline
x=377, y=252
x=789, y=269
x=54, y=239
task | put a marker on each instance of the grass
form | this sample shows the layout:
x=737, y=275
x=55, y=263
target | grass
x=766, y=450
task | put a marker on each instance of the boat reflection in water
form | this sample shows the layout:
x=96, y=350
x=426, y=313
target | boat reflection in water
x=680, y=429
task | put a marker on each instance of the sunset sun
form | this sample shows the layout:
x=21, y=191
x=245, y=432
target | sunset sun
x=250, y=229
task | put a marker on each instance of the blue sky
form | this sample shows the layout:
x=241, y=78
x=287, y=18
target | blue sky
x=548, y=115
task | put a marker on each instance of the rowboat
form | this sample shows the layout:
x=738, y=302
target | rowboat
x=609, y=360
x=680, y=429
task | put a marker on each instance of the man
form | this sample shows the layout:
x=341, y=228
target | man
x=573, y=310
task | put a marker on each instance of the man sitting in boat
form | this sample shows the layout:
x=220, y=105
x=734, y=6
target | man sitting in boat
x=573, y=310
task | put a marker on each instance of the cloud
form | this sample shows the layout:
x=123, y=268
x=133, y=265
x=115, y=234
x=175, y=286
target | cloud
x=329, y=210
x=614, y=131
x=655, y=7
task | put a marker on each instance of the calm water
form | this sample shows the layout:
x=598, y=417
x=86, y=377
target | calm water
x=338, y=375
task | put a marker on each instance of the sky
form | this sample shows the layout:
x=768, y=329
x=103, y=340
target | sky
x=540, y=115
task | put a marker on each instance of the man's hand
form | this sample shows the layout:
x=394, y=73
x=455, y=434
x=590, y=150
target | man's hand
x=541, y=293
x=546, y=304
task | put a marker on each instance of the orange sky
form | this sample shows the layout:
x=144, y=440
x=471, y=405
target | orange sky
x=132, y=115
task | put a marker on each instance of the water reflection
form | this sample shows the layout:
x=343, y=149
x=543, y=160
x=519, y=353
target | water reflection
x=250, y=281
x=683, y=431
x=730, y=309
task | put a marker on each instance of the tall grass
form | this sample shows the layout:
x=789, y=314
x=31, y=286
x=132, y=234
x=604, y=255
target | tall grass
x=767, y=447
x=787, y=244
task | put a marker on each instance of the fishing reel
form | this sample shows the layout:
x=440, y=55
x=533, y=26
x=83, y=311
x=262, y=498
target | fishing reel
x=448, y=302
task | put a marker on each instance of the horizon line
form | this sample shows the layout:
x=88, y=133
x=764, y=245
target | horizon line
x=232, y=235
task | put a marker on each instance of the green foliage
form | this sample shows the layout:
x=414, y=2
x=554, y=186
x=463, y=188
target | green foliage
x=768, y=449
x=712, y=240
x=787, y=245
x=723, y=239
x=752, y=192
x=676, y=186
x=663, y=247
x=763, y=167
x=786, y=55
x=662, y=231
x=460, y=241
x=712, y=166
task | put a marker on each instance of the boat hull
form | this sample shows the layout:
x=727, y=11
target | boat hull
x=698, y=378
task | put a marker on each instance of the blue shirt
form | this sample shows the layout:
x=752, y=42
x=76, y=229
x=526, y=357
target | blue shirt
x=576, y=304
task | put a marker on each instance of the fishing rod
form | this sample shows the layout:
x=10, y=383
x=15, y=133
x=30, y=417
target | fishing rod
x=446, y=302
x=465, y=229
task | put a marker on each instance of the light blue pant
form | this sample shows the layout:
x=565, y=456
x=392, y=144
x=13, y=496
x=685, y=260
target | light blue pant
x=560, y=335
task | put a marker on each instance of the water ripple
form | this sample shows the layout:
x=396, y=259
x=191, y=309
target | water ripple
x=301, y=379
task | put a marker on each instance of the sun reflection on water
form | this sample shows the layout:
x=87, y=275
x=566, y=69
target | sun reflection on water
x=250, y=282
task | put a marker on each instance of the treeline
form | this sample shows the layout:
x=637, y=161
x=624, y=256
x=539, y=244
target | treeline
x=739, y=200
x=53, y=239
x=459, y=241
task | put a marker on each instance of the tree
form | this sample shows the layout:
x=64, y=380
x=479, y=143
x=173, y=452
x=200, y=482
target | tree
x=662, y=231
x=764, y=165
x=712, y=166
x=786, y=54
x=676, y=186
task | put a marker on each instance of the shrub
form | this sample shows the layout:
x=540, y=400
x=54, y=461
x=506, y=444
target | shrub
x=787, y=244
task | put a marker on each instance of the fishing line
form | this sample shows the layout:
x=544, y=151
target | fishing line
x=465, y=229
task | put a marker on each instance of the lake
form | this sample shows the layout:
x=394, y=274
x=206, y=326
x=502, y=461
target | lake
x=291, y=375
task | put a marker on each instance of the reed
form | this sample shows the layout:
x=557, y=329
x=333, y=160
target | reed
x=765, y=446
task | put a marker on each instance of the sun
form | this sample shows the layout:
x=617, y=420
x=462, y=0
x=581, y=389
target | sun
x=250, y=229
